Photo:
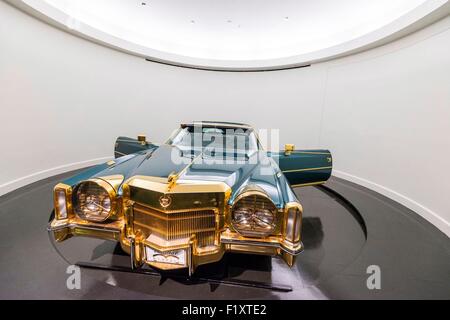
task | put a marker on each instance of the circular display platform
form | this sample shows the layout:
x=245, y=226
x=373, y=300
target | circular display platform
x=346, y=229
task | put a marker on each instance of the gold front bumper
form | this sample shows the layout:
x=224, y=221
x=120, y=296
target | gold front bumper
x=191, y=230
x=136, y=246
x=67, y=228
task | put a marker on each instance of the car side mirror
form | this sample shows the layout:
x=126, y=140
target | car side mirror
x=142, y=139
x=288, y=148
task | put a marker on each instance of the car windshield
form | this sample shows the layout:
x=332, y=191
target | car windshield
x=213, y=141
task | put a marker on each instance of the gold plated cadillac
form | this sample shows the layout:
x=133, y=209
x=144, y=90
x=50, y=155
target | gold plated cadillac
x=210, y=189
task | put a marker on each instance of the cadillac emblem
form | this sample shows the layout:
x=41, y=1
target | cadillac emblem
x=165, y=200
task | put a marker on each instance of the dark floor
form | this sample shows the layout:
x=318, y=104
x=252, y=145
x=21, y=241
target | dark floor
x=340, y=240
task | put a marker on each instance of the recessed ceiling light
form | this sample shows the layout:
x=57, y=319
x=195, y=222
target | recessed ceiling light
x=143, y=3
x=192, y=21
x=229, y=21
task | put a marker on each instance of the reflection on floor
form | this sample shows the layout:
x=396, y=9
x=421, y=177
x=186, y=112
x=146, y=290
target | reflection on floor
x=341, y=240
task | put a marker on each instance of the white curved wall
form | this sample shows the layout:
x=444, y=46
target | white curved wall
x=385, y=113
x=229, y=35
x=387, y=120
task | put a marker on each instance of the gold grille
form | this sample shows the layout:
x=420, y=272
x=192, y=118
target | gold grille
x=172, y=226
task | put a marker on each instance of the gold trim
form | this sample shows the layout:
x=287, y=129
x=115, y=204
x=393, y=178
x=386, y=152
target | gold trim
x=173, y=233
x=311, y=152
x=111, y=193
x=173, y=177
x=142, y=139
x=172, y=180
x=216, y=210
x=64, y=229
x=250, y=191
x=236, y=236
x=307, y=169
x=68, y=193
x=196, y=255
x=254, y=190
x=160, y=245
x=183, y=186
x=288, y=149
x=232, y=239
x=114, y=180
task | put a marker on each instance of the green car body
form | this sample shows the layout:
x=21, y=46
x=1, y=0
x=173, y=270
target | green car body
x=173, y=207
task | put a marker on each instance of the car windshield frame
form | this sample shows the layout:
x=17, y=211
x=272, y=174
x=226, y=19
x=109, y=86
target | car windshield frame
x=215, y=140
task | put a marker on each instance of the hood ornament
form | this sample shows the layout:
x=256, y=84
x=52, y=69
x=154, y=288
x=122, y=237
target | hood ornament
x=172, y=180
x=173, y=176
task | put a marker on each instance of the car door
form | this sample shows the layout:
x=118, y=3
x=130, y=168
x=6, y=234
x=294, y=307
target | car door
x=304, y=167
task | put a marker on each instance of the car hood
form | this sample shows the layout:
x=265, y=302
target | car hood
x=258, y=169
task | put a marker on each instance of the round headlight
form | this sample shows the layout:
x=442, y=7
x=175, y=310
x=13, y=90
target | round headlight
x=94, y=200
x=253, y=214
